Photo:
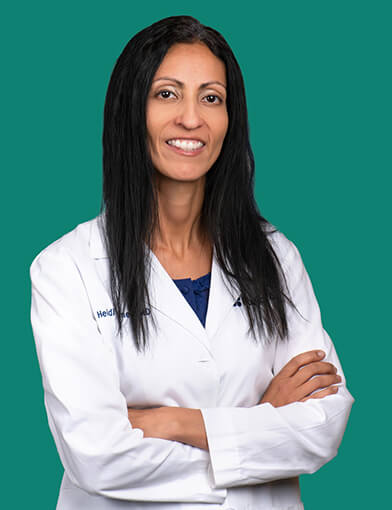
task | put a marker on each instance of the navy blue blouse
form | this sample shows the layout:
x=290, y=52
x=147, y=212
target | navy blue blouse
x=196, y=293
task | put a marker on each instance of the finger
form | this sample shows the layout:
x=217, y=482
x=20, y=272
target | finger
x=300, y=360
x=320, y=381
x=313, y=369
x=321, y=394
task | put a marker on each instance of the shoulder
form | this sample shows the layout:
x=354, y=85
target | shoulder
x=78, y=240
x=284, y=249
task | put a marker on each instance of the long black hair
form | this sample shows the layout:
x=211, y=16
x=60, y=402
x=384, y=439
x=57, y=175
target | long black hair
x=229, y=215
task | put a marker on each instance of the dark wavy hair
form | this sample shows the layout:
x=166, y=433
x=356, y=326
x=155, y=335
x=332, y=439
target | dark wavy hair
x=229, y=213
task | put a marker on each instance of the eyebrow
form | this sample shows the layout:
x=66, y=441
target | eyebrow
x=180, y=84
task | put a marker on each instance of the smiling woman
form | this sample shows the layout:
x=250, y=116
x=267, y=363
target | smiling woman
x=183, y=358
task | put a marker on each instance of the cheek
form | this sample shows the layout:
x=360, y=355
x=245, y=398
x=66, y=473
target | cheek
x=152, y=124
x=221, y=127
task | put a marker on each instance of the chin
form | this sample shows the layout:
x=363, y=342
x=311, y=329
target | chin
x=185, y=175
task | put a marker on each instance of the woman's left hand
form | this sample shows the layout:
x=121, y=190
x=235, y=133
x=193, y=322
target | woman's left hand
x=157, y=422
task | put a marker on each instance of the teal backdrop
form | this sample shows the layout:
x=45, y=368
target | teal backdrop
x=318, y=82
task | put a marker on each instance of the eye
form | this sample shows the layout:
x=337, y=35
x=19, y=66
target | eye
x=213, y=99
x=164, y=94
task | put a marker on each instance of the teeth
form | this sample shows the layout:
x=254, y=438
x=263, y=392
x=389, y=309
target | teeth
x=186, y=145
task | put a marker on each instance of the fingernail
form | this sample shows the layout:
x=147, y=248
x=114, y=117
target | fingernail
x=320, y=353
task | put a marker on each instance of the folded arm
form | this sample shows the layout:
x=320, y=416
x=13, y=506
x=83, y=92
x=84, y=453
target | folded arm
x=299, y=380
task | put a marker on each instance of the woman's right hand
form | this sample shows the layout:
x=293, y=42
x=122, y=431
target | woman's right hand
x=300, y=378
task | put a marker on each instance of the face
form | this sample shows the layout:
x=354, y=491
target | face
x=186, y=112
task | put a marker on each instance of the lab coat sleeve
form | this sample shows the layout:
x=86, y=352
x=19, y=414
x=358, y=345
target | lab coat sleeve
x=87, y=412
x=263, y=443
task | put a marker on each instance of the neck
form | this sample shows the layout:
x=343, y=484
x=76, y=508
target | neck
x=179, y=208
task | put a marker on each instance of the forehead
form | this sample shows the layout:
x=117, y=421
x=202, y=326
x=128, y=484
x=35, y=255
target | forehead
x=192, y=62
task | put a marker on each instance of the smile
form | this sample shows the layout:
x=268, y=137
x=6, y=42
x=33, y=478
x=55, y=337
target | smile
x=186, y=147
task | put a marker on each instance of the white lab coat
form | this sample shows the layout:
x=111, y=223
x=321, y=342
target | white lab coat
x=90, y=375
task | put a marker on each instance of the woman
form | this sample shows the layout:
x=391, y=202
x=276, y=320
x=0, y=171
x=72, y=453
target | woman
x=183, y=357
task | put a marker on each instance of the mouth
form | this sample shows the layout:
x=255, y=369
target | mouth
x=186, y=146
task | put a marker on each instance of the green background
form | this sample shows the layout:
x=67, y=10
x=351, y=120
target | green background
x=318, y=84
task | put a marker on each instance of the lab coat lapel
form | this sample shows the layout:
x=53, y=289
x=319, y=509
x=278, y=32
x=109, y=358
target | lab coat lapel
x=222, y=298
x=168, y=299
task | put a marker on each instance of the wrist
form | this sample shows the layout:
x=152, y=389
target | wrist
x=188, y=428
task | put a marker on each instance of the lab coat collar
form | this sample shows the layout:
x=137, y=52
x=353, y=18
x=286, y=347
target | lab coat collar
x=168, y=299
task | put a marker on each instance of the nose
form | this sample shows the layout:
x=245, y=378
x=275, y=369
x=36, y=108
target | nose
x=189, y=114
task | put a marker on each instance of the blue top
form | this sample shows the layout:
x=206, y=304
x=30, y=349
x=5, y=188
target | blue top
x=196, y=293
